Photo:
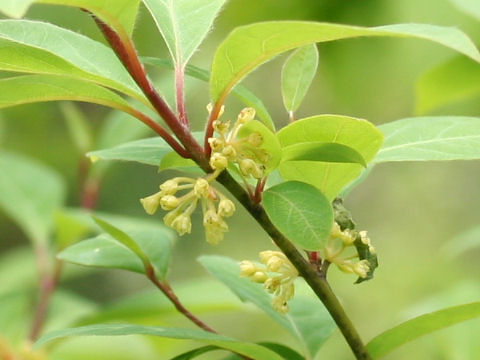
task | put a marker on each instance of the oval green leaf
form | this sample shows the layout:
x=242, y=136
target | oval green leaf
x=30, y=194
x=419, y=326
x=270, y=142
x=297, y=76
x=39, y=47
x=430, y=138
x=119, y=14
x=330, y=178
x=307, y=319
x=455, y=80
x=253, y=351
x=322, y=151
x=148, y=151
x=248, y=47
x=301, y=212
x=28, y=89
x=183, y=24
x=130, y=250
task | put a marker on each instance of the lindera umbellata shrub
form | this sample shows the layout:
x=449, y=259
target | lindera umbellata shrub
x=291, y=179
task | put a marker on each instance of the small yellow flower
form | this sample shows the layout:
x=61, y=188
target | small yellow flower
x=150, y=203
x=169, y=202
x=218, y=161
x=226, y=207
x=246, y=115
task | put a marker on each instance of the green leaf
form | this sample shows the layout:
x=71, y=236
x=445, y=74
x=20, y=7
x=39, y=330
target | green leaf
x=15, y=8
x=307, y=320
x=322, y=151
x=30, y=194
x=129, y=250
x=192, y=354
x=330, y=178
x=430, y=138
x=286, y=352
x=270, y=142
x=422, y=325
x=301, y=212
x=119, y=14
x=27, y=89
x=146, y=151
x=452, y=81
x=297, y=76
x=254, y=351
x=39, y=47
x=470, y=7
x=183, y=24
x=174, y=161
x=248, y=47
x=69, y=229
x=241, y=92
x=103, y=252
x=124, y=239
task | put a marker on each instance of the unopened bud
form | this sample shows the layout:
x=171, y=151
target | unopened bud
x=218, y=161
x=169, y=187
x=169, y=202
x=259, y=277
x=247, y=268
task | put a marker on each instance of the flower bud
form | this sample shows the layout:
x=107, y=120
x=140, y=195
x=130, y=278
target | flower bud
x=218, y=161
x=246, y=115
x=201, y=188
x=169, y=202
x=150, y=203
x=226, y=208
x=259, y=277
x=169, y=187
x=274, y=263
x=247, y=268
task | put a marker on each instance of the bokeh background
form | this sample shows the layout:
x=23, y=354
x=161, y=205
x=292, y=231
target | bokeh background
x=411, y=210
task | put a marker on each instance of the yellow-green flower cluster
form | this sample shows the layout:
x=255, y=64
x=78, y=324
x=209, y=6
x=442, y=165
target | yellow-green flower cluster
x=245, y=152
x=276, y=274
x=339, y=240
x=215, y=206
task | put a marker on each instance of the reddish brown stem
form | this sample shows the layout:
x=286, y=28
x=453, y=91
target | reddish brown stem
x=180, y=86
x=127, y=54
x=168, y=292
x=162, y=132
x=47, y=287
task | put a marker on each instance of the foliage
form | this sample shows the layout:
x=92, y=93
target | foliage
x=290, y=180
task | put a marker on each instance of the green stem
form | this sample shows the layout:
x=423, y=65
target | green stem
x=314, y=279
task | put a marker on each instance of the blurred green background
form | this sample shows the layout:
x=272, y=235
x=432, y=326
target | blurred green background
x=410, y=210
